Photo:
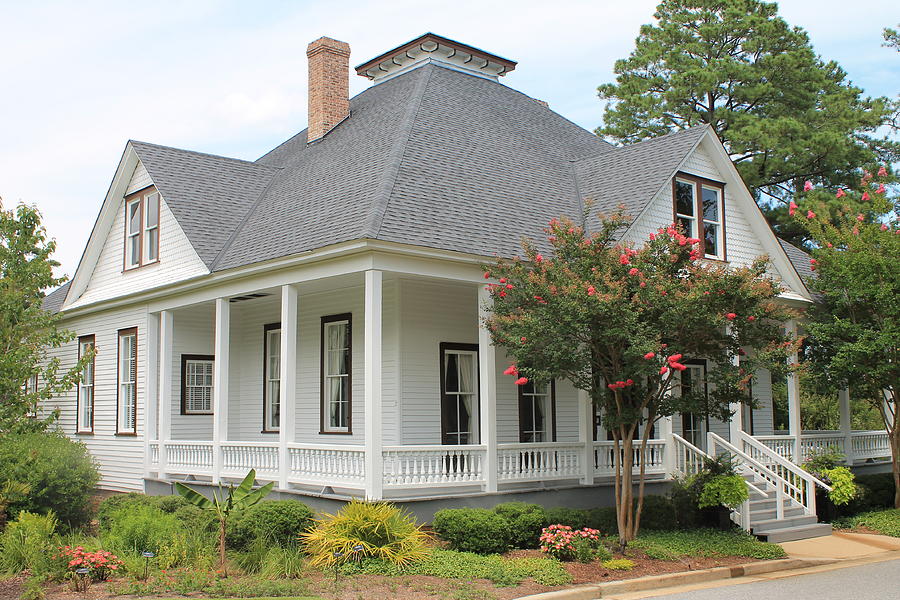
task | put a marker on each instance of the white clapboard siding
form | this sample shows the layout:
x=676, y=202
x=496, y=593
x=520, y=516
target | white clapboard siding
x=177, y=259
x=194, y=333
x=119, y=458
x=763, y=416
x=139, y=179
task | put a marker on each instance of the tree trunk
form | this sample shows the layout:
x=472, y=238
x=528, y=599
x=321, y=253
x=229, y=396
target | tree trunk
x=895, y=459
x=624, y=485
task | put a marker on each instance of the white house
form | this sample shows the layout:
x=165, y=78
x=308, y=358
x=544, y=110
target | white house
x=315, y=314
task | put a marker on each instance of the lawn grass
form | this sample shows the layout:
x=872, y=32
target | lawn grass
x=674, y=545
x=885, y=522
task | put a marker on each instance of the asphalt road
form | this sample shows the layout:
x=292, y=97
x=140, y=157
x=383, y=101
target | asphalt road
x=877, y=581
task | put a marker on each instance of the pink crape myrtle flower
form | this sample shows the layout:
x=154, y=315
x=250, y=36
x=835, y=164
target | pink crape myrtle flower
x=807, y=186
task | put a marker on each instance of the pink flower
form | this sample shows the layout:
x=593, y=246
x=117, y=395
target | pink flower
x=674, y=358
x=591, y=291
x=840, y=193
x=643, y=284
x=629, y=382
x=813, y=262
x=663, y=370
x=730, y=316
x=792, y=208
x=502, y=294
x=511, y=370
x=865, y=196
x=884, y=227
x=633, y=271
x=503, y=280
x=652, y=236
x=539, y=258
x=860, y=218
x=521, y=381
x=807, y=186
x=487, y=275
x=882, y=172
x=650, y=355
x=623, y=259
x=620, y=384
x=751, y=318
x=829, y=244
x=611, y=386
x=678, y=366
x=880, y=189
x=523, y=339
x=810, y=214
x=509, y=286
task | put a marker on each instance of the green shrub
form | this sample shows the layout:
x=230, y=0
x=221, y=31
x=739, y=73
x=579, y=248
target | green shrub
x=140, y=528
x=877, y=491
x=279, y=521
x=475, y=530
x=280, y=563
x=525, y=520
x=843, y=488
x=113, y=504
x=59, y=472
x=603, y=519
x=723, y=490
x=576, y=518
x=819, y=459
x=28, y=543
x=366, y=529
x=885, y=522
x=658, y=513
x=672, y=545
x=619, y=564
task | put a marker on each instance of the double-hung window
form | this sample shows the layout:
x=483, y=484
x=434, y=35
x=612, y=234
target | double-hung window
x=537, y=408
x=127, y=383
x=700, y=210
x=336, y=371
x=85, y=410
x=141, y=228
x=459, y=393
x=272, y=377
x=197, y=384
x=693, y=381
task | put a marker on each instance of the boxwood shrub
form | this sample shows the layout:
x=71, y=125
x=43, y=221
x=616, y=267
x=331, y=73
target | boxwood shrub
x=526, y=522
x=477, y=530
x=278, y=521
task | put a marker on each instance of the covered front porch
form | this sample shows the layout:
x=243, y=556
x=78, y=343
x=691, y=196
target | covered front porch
x=339, y=385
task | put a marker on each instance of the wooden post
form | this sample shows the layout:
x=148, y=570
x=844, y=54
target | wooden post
x=166, y=343
x=220, y=384
x=735, y=425
x=151, y=398
x=288, y=371
x=846, y=427
x=373, y=401
x=793, y=390
x=487, y=392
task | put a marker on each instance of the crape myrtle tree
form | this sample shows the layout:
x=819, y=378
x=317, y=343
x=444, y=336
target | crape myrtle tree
x=783, y=113
x=27, y=331
x=854, y=329
x=618, y=321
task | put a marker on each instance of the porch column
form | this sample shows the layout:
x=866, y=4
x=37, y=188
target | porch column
x=288, y=371
x=220, y=384
x=735, y=425
x=151, y=402
x=793, y=391
x=164, y=405
x=846, y=430
x=373, y=400
x=665, y=432
x=487, y=391
x=586, y=436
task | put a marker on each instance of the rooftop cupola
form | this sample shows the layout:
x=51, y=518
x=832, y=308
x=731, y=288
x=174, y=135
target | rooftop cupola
x=431, y=48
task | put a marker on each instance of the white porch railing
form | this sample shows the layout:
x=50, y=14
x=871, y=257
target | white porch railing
x=605, y=457
x=326, y=465
x=542, y=461
x=688, y=458
x=422, y=466
x=189, y=457
x=864, y=445
x=870, y=444
x=240, y=457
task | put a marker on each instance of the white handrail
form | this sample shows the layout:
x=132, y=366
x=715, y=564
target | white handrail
x=778, y=459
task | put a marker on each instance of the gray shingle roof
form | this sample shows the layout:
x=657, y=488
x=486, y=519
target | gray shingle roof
x=799, y=259
x=209, y=195
x=433, y=157
x=54, y=300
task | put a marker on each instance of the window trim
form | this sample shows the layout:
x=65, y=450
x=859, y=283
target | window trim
x=119, y=335
x=445, y=399
x=265, y=365
x=323, y=430
x=145, y=229
x=704, y=423
x=185, y=358
x=552, y=428
x=698, y=183
x=78, y=429
x=141, y=197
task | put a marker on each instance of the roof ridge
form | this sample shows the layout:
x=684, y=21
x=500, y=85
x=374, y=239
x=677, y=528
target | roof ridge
x=237, y=229
x=383, y=197
x=207, y=154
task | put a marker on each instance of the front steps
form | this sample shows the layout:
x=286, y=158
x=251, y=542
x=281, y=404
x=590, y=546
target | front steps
x=794, y=525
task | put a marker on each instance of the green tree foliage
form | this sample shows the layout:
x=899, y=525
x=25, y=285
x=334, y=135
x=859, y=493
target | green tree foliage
x=783, y=113
x=27, y=332
x=618, y=322
x=855, y=328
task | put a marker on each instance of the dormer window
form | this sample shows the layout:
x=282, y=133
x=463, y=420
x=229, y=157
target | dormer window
x=700, y=210
x=141, y=228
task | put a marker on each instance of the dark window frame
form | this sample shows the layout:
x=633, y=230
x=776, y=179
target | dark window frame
x=265, y=367
x=445, y=399
x=698, y=183
x=705, y=422
x=552, y=415
x=93, y=341
x=142, y=196
x=119, y=335
x=322, y=350
x=184, y=361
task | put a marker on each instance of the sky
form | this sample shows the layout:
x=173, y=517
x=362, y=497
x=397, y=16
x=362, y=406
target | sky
x=79, y=79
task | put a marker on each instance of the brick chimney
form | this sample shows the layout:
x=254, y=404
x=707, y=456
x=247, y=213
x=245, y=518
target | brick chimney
x=329, y=86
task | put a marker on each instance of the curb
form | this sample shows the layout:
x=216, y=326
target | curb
x=599, y=590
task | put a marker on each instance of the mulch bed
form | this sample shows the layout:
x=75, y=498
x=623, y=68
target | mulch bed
x=420, y=587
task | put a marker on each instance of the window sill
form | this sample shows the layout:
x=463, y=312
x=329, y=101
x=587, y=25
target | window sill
x=126, y=434
x=196, y=414
x=324, y=432
x=84, y=433
x=275, y=431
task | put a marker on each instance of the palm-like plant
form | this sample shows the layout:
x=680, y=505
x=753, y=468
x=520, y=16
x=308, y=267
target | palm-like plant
x=225, y=501
x=10, y=492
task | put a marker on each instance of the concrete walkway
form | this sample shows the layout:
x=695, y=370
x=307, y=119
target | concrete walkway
x=842, y=546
